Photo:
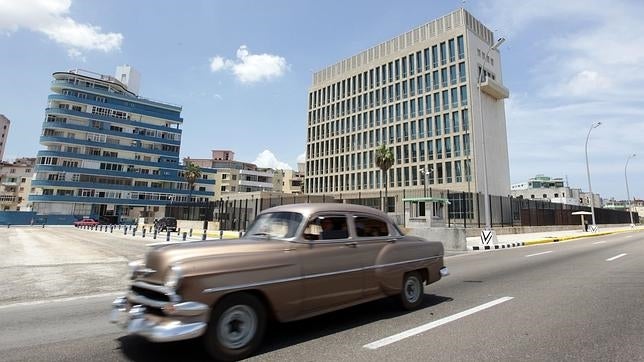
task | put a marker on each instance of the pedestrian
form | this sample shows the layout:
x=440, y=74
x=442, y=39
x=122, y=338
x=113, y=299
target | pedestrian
x=585, y=225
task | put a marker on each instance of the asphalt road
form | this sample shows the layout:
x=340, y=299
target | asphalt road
x=576, y=300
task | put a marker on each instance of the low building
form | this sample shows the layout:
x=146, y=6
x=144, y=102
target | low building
x=554, y=190
x=15, y=184
x=289, y=181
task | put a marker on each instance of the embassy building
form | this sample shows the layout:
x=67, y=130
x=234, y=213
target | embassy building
x=417, y=94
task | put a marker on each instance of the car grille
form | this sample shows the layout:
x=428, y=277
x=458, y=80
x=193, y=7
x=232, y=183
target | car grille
x=151, y=294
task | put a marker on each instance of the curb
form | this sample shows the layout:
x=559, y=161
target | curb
x=498, y=246
x=551, y=239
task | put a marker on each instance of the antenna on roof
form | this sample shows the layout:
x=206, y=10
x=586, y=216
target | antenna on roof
x=567, y=181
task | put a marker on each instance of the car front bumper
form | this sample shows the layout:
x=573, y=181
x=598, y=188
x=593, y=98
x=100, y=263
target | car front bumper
x=184, y=320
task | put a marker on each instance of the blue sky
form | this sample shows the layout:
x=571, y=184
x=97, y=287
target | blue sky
x=241, y=71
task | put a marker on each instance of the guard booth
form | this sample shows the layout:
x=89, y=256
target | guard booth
x=426, y=212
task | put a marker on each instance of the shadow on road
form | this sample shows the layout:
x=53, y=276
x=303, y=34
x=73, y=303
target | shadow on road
x=279, y=335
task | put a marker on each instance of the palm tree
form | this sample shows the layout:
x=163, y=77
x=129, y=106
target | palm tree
x=384, y=161
x=191, y=173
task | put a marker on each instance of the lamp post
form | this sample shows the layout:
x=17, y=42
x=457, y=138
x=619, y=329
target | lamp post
x=488, y=222
x=628, y=195
x=425, y=174
x=590, y=188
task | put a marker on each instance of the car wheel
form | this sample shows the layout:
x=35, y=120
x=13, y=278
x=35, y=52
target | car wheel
x=413, y=291
x=236, y=328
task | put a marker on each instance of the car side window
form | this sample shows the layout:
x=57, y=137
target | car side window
x=327, y=228
x=368, y=226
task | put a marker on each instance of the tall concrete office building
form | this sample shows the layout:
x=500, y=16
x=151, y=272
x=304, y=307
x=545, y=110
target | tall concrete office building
x=109, y=152
x=416, y=93
x=4, y=133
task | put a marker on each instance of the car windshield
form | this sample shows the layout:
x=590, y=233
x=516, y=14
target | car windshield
x=279, y=225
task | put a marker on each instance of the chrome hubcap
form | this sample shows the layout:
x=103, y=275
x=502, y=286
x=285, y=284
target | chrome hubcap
x=237, y=326
x=413, y=289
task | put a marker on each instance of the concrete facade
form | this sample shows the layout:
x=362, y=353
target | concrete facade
x=15, y=184
x=417, y=93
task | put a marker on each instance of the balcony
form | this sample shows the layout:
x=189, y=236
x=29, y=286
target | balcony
x=494, y=89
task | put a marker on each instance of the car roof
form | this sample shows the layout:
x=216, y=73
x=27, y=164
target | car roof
x=308, y=209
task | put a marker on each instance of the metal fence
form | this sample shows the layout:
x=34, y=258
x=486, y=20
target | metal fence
x=465, y=209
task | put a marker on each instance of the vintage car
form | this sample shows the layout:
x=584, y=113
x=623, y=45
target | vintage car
x=294, y=262
x=86, y=221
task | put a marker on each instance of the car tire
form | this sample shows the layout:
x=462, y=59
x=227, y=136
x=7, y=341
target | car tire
x=412, y=293
x=245, y=314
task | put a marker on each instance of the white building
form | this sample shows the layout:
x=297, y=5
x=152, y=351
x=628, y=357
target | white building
x=416, y=93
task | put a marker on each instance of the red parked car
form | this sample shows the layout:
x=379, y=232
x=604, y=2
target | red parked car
x=86, y=221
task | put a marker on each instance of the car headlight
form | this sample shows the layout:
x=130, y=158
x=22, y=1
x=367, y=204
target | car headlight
x=173, y=277
x=134, y=267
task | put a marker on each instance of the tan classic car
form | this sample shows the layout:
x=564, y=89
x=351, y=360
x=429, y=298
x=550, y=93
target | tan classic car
x=294, y=262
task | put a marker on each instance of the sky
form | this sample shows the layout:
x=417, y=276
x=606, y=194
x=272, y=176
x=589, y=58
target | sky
x=241, y=71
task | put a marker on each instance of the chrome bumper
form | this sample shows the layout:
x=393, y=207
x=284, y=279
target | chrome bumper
x=135, y=320
x=444, y=272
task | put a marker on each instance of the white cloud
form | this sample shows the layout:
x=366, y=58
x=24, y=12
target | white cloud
x=268, y=159
x=301, y=158
x=251, y=68
x=50, y=17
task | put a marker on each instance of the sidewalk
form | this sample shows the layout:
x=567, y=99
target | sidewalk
x=514, y=240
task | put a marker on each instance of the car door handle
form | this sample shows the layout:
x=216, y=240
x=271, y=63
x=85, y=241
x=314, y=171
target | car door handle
x=392, y=240
x=352, y=244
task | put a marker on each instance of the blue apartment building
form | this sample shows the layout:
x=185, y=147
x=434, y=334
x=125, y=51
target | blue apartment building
x=108, y=152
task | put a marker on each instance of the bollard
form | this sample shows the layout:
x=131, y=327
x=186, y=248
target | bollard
x=155, y=234
x=221, y=234
x=184, y=235
x=143, y=231
x=111, y=229
x=240, y=234
x=190, y=232
x=178, y=231
x=125, y=230
x=167, y=236
x=8, y=226
x=203, y=237
x=43, y=225
x=134, y=232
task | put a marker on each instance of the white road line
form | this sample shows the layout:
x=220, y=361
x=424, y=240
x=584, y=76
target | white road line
x=61, y=300
x=425, y=327
x=545, y=252
x=616, y=257
x=599, y=242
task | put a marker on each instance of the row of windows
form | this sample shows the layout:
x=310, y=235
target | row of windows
x=392, y=93
x=135, y=106
x=407, y=176
x=428, y=127
x=413, y=63
x=438, y=149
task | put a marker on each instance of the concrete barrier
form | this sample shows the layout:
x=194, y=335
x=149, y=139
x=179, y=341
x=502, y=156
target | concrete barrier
x=452, y=238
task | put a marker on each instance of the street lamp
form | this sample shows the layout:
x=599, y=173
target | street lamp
x=590, y=188
x=425, y=174
x=628, y=195
x=488, y=221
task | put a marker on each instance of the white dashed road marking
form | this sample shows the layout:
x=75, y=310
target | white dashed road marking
x=425, y=327
x=545, y=252
x=616, y=257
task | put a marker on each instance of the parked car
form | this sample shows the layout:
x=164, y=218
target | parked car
x=294, y=262
x=166, y=224
x=86, y=221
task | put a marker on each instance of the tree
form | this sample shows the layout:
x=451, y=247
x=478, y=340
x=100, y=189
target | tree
x=191, y=173
x=384, y=161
